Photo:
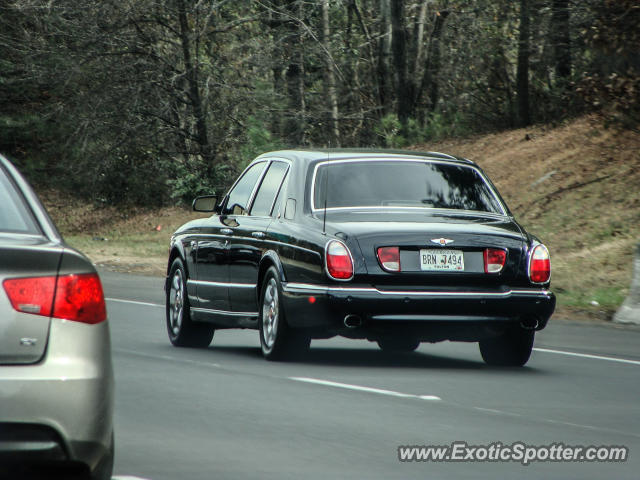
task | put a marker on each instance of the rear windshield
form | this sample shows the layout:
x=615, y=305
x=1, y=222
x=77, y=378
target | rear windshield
x=402, y=184
x=15, y=217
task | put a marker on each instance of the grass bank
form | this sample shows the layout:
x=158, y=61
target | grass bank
x=577, y=187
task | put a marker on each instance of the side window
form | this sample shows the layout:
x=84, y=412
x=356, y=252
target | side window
x=268, y=189
x=290, y=209
x=14, y=214
x=278, y=207
x=240, y=194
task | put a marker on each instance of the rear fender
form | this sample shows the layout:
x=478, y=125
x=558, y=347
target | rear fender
x=269, y=259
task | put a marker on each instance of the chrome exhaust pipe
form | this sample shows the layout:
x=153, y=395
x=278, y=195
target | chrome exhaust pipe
x=530, y=324
x=352, y=321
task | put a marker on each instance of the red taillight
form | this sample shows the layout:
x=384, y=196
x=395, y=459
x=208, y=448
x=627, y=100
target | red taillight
x=339, y=263
x=72, y=297
x=494, y=259
x=389, y=258
x=540, y=265
x=80, y=298
x=31, y=295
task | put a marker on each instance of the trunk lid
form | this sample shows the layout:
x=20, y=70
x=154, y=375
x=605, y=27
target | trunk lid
x=417, y=234
x=24, y=336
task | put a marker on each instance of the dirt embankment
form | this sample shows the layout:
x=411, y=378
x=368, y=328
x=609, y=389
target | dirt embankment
x=577, y=187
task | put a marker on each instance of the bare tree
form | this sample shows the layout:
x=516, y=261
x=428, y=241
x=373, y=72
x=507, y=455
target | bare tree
x=330, y=77
x=561, y=38
x=522, y=76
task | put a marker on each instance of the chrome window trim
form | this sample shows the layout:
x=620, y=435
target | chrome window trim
x=256, y=186
x=253, y=192
x=286, y=173
x=284, y=179
x=259, y=184
x=405, y=160
x=389, y=207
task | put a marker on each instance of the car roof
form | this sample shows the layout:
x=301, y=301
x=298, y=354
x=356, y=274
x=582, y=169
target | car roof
x=358, y=153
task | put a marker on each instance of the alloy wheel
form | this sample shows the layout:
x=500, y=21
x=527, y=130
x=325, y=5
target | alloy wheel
x=176, y=302
x=270, y=315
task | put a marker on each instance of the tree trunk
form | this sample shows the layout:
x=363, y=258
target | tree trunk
x=522, y=75
x=273, y=23
x=418, y=35
x=279, y=91
x=561, y=38
x=191, y=74
x=330, y=77
x=404, y=87
x=429, y=84
x=296, y=115
x=385, y=96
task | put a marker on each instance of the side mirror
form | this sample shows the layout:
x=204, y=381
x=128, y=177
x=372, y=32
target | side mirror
x=205, y=203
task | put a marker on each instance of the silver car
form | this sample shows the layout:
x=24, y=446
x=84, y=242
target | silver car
x=56, y=377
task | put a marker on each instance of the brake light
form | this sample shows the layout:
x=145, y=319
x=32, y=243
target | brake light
x=71, y=297
x=338, y=260
x=31, y=295
x=80, y=298
x=540, y=265
x=389, y=258
x=494, y=260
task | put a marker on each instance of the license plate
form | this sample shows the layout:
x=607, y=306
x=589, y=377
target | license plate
x=442, y=260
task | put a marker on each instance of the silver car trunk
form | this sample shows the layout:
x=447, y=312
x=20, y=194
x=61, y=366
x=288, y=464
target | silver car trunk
x=23, y=336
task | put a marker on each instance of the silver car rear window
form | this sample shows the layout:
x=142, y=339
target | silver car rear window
x=15, y=216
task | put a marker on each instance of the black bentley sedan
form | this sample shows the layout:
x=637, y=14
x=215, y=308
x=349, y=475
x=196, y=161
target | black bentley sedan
x=394, y=247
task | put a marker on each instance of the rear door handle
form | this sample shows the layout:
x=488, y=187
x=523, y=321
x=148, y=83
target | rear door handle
x=258, y=234
x=226, y=231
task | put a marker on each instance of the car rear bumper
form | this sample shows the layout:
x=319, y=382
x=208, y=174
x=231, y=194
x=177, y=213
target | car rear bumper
x=60, y=409
x=330, y=304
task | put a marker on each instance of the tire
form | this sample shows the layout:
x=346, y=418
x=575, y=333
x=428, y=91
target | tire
x=511, y=349
x=278, y=341
x=398, y=344
x=183, y=332
x=104, y=469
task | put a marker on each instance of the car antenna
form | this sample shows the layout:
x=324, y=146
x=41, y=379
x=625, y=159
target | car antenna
x=326, y=194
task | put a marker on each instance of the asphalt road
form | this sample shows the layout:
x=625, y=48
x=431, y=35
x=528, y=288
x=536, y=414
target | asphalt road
x=224, y=412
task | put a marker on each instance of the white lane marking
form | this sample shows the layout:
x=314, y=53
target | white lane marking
x=165, y=357
x=128, y=477
x=497, y=412
x=550, y=421
x=360, y=388
x=586, y=355
x=134, y=302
